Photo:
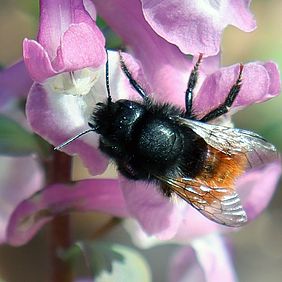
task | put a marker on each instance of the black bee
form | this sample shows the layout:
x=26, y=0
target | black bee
x=162, y=143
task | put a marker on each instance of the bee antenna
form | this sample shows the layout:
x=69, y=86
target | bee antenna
x=74, y=138
x=107, y=79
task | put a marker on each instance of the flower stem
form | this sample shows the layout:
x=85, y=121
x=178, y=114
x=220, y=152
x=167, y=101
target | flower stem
x=59, y=171
x=60, y=240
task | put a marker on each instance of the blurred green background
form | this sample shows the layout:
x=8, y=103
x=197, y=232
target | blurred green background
x=257, y=247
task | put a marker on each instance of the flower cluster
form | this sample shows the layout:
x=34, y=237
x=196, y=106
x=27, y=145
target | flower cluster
x=67, y=67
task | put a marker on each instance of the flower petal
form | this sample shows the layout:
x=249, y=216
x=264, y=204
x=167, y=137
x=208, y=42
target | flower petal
x=8, y=88
x=257, y=187
x=192, y=226
x=260, y=82
x=37, y=61
x=185, y=266
x=68, y=40
x=166, y=71
x=208, y=260
x=156, y=214
x=86, y=195
x=274, y=77
x=57, y=118
x=81, y=46
x=196, y=26
x=20, y=177
x=55, y=18
x=90, y=8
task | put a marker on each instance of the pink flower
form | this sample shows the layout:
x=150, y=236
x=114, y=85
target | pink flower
x=24, y=213
x=68, y=66
x=26, y=203
x=14, y=86
x=20, y=177
x=167, y=70
x=21, y=174
x=9, y=89
x=86, y=195
x=58, y=116
x=68, y=40
x=196, y=26
x=207, y=259
x=57, y=112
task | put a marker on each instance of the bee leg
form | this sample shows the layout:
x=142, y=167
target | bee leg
x=191, y=86
x=224, y=108
x=132, y=81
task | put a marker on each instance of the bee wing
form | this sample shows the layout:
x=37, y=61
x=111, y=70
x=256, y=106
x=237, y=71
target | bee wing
x=221, y=205
x=233, y=141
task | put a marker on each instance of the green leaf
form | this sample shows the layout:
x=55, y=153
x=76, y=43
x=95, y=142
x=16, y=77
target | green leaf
x=112, y=262
x=113, y=40
x=17, y=141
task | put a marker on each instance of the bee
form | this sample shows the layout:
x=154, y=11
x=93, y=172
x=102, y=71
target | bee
x=182, y=154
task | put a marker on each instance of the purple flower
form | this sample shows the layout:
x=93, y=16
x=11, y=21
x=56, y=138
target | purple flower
x=61, y=65
x=9, y=89
x=207, y=259
x=61, y=100
x=167, y=74
x=68, y=40
x=26, y=204
x=20, y=177
x=86, y=195
x=68, y=64
x=196, y=26
x=57, y=116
